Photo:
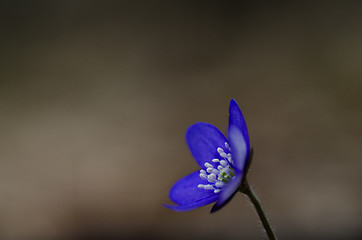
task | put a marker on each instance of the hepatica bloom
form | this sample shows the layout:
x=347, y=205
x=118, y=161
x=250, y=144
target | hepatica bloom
x=223, y=164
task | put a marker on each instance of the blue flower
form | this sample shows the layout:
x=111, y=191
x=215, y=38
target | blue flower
x=223, y=164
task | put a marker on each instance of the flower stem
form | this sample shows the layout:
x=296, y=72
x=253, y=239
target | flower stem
x=245, y=188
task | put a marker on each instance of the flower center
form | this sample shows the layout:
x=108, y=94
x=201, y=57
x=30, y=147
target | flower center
x=218, y=175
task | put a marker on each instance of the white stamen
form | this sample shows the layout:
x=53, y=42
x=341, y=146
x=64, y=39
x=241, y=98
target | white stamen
x=220, y=150
x=215, y=160
x=200, y=186
x=219, y=184
x=217, y=190
x=223, y=155
x=208, y=165
x=210, y=170
x=208, y=187
x=203, y=175
x=211, y=177
x=223, y=163
x=227, y=145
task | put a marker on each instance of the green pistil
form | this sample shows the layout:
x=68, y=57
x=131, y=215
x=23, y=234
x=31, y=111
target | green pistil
x=226, y=177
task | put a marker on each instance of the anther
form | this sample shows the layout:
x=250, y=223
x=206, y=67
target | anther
x=217, y=190
x=211, y=177
x=215, y=160
x=223, y=163
x=208, y=187
x=223, y=155
x=208, y=165
x=203, y=176
x=227, y=145
x=220, y=150
x=210, y=169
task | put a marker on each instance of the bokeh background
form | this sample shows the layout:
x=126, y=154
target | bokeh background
x=95, y=99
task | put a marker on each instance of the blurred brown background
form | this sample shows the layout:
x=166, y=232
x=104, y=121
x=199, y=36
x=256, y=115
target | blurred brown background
x=95, y=99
